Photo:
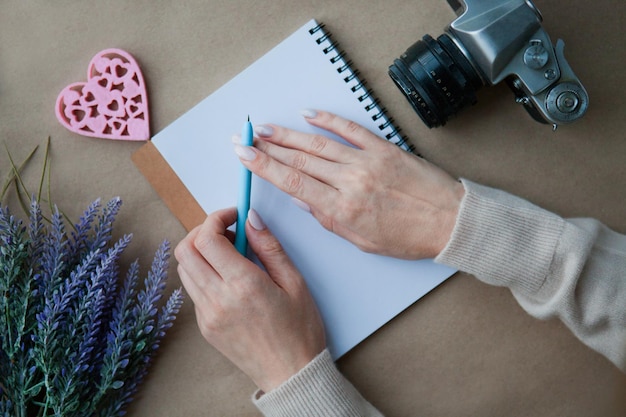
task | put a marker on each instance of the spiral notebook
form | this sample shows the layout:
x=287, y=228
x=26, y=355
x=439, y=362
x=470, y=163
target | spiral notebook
x=192, y=165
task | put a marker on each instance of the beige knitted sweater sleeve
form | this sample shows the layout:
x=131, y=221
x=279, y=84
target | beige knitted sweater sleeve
x=574, y=269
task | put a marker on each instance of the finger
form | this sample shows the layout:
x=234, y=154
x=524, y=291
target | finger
x=270, y=252
x=213, y=244
x=199, y=275
x=318, y=145
x=351, y=131
x=292, y=181
x=321, y=169
x=196, y=293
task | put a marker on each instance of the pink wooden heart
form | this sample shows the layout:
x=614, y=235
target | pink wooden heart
x=112, y=104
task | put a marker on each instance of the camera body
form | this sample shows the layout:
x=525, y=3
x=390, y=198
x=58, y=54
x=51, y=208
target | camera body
x=491, y=41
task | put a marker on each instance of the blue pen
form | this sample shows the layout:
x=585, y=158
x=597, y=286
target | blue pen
x=243, y=203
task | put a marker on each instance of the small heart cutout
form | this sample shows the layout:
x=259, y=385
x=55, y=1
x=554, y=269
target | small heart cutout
x=112, y=104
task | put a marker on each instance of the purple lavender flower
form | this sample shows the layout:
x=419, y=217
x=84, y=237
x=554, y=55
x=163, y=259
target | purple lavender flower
x=75, y=339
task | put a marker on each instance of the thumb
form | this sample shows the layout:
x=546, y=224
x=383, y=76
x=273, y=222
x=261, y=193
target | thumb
x=269, y=251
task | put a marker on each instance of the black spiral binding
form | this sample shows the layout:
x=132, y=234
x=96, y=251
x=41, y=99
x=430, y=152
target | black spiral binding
x=365, y=95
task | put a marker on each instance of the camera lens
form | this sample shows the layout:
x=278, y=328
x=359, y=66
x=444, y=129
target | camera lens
x=436, y=78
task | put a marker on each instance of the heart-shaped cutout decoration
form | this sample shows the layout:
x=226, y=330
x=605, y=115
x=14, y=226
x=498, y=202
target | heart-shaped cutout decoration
x=112, y=104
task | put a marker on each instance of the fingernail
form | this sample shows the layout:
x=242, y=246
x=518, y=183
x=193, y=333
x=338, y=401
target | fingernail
x=264, y=130
x=309, y=113
x=247, y=153
x=255, y=220
x=236, y=138
x=304, y=206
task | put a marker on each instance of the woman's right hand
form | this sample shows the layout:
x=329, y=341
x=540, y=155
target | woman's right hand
x=376, y=195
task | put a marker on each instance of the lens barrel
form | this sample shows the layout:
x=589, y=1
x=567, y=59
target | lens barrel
x=436, y=78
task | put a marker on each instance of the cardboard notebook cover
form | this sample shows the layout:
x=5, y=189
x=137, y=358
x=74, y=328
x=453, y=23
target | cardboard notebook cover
x=168, y=186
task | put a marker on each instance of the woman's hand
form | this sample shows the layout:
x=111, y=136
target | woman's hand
x=379, y=197
x=266, y=323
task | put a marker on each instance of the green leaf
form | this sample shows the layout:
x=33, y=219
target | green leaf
x=140, y=346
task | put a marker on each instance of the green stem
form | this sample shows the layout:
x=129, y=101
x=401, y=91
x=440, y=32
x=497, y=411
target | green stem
x=18, y=182
x=12, y=173
x=22, y=410
x=7, y=314
x=49, y=175
x=47, y=384
x=43, y=174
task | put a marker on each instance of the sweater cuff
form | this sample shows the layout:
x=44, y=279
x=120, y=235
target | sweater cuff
x=319, y=389
x=503, y=240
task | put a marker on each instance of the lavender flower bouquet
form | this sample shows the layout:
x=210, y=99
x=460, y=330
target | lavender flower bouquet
x=76, y=339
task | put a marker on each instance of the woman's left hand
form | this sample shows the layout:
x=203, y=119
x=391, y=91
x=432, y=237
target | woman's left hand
x=266, y=323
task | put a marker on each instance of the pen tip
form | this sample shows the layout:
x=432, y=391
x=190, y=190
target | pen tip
x=248, y=117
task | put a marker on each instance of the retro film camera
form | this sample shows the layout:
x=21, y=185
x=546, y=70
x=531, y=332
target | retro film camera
x=491, y=41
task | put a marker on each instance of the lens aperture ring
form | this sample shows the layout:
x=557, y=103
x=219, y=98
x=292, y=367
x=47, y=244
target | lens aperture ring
x=446, y=75
x=413, y=91
x=436, y=78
